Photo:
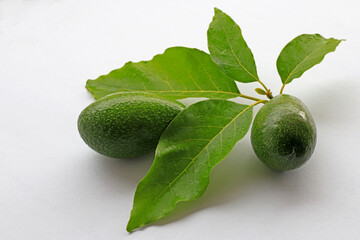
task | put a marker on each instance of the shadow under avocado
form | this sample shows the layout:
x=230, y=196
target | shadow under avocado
x=327, y=104
x=131, y=170
x=236, y=177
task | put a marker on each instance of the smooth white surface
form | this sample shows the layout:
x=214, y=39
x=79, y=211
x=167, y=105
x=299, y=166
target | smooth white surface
x=52, y=186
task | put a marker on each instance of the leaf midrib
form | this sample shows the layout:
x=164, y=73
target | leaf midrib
x=185, y=91
x=238, y=60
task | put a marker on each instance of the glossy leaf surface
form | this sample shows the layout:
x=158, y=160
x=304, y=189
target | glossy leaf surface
x=229, y=50
x=177, y=73
x=302, y=53
x=195, y=141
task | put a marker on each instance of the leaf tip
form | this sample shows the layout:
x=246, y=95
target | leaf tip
x=216, y=10
x=337, y=40
x=129, y=229
x=87, y=85
x=130, y=226
x=90, y=89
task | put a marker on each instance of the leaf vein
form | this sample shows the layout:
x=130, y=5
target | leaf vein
x=238, y=60
x=209, y=76
x=205, y=147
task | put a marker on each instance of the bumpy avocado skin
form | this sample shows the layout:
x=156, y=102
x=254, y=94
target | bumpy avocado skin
x=126, y=125
x=283, y=134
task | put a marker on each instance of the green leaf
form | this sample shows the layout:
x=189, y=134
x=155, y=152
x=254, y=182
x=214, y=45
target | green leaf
x=229, y=50
x=195, y=141
x=302, y=53
x=177, y=73
x=260, y=91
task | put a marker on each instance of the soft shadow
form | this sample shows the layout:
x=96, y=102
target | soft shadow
x=327, y=104
x=131, y=170
x=238, y=176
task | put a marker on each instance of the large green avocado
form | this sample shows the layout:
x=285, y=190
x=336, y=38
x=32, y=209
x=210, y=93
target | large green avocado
x=283, y=134
x=126, y=125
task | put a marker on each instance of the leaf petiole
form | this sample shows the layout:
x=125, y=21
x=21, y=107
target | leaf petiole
x=260, y=101
x=282, y=88
x=251, y=98
x=262, y=84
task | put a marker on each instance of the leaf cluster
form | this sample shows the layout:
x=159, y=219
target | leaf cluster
x=203, y=134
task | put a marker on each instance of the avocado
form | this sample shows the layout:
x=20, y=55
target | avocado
x=127, y=124
x=283, y=135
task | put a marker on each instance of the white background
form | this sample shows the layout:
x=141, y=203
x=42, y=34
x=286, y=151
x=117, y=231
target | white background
x=52, y=186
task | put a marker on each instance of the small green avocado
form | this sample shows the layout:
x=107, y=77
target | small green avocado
x=126, y=125
x=283, y=134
